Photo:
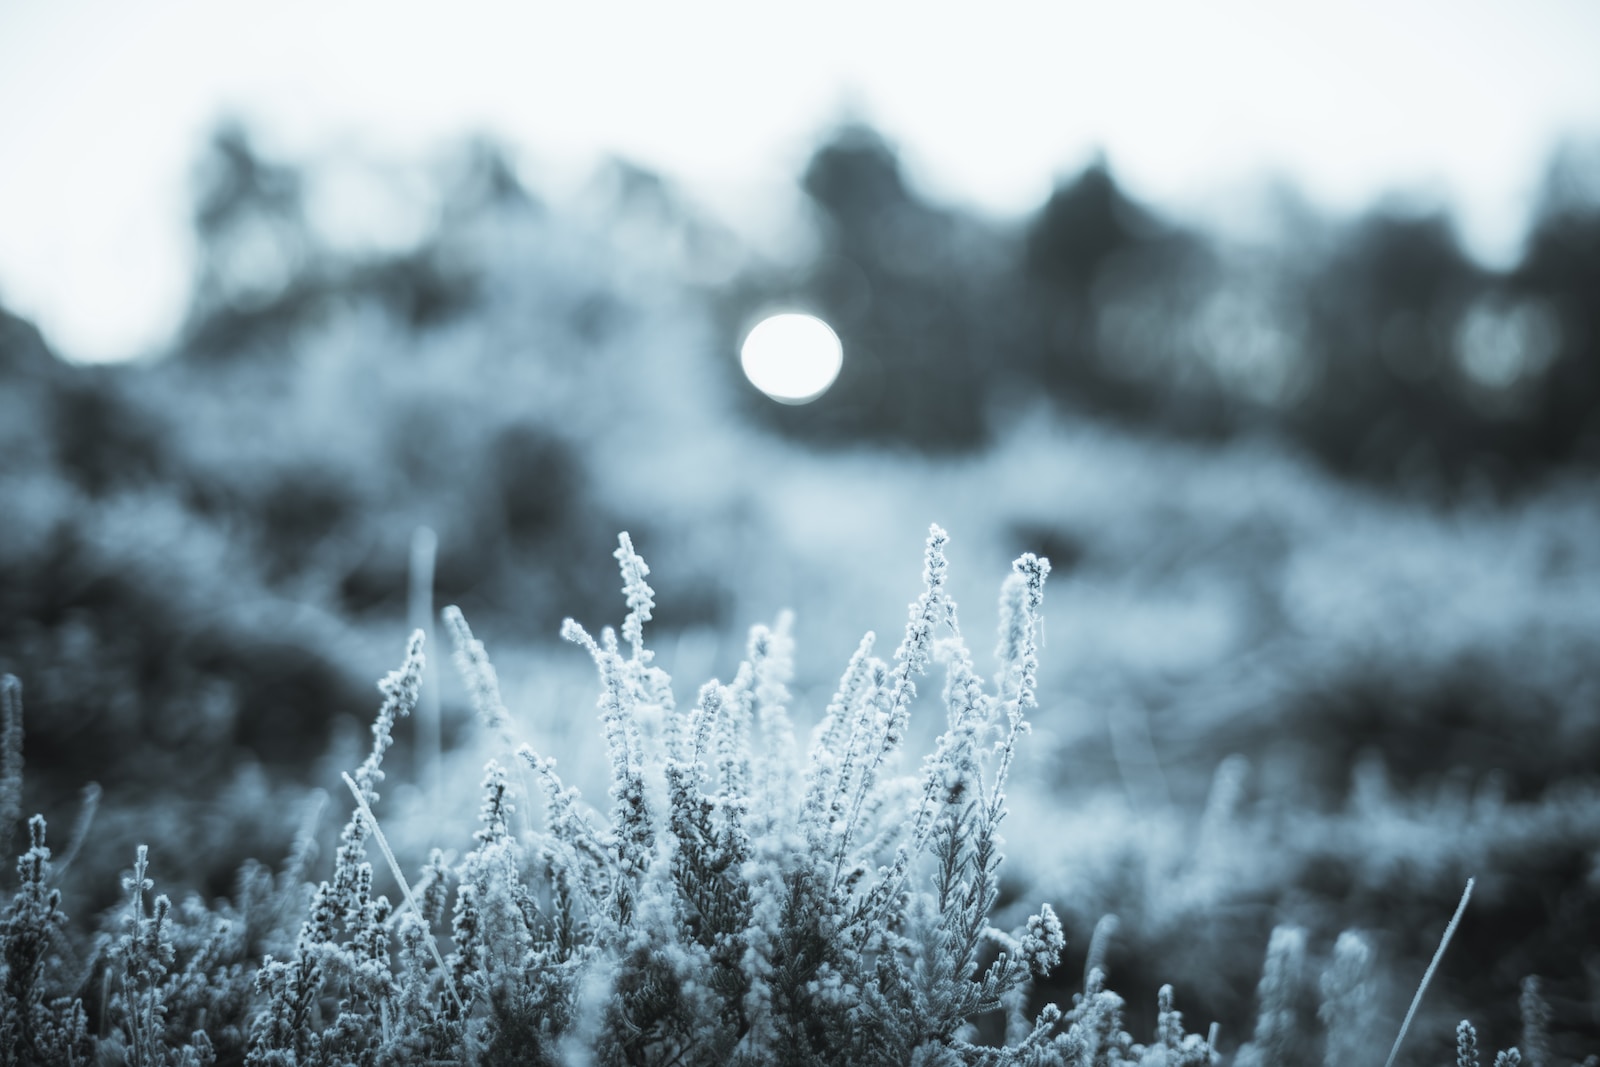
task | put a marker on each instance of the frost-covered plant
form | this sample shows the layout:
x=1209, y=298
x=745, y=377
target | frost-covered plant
x=343, y=948
x=151, y=990
x=173, y=983
x=36, y=1028
x=738, y=902
x=734, y=904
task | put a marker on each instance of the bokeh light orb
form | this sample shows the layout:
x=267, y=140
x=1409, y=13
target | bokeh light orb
x=793, y=358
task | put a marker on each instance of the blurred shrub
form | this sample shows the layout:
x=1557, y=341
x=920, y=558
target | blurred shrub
x=197, y=545
x=740, y=904
x=730, y=946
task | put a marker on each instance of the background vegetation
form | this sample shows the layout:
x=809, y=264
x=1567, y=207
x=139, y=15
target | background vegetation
x=1323, y=633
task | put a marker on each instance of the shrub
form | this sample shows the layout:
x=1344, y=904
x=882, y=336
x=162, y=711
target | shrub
x=732, y=905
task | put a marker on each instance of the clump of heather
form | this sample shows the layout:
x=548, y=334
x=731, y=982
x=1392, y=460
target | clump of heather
x=730, y=902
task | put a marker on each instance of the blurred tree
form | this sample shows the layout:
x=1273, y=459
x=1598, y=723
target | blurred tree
x=1436, y=373
x=1113, y=294
x=254, y=245
x=264, y=274
x=918, y=295
x=1384, y=311
x=1560, y=272
x=1086, y=222
x=484, y=179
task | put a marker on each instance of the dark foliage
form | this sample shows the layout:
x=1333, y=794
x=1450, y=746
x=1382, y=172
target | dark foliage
x=1400, y=361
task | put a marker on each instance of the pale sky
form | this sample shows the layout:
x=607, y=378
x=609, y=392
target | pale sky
x=103, y=104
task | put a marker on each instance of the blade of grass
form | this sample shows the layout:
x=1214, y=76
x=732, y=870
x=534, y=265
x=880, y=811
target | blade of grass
x=80, y=829
x=1427, y=976
x=405, y=887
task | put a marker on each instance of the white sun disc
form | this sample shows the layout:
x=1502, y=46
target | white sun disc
x=793, y=358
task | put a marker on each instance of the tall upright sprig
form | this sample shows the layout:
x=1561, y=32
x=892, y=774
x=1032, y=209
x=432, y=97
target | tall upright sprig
x=890, y=698
x=951, y=775
x=1021, y=597
x=483, y=684
x=281, y=1033
x=400, y=689
x=636, y=591
x=33, y=1027
x=622, y=684
x=145, y=953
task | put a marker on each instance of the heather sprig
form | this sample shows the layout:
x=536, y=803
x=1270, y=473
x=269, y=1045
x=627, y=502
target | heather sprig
x=1535, y=1013
x=632, y=825
x=35, y=1027
x=640, y=597
x=179, y=990
x=1279, y=1037
x=146, y=952
x=472, y=661
x=357, y=964
x=1466, y=1044
x=1349, y=1001
x=892, y=697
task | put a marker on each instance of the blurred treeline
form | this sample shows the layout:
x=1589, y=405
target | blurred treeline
x=321, y=401
x=1377, y=345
